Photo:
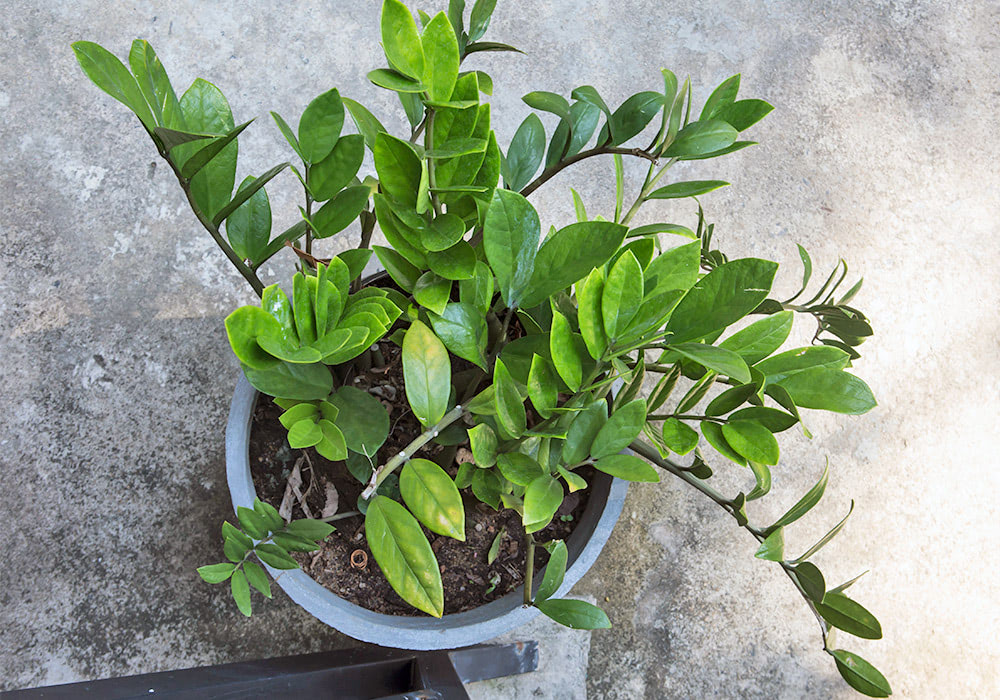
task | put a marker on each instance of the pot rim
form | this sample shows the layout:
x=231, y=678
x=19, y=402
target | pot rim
x=423, y=632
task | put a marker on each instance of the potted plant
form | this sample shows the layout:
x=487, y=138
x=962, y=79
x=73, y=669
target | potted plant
x=494, y=378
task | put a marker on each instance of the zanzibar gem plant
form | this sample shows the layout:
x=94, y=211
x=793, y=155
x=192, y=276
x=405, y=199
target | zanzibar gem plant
x=540, y=350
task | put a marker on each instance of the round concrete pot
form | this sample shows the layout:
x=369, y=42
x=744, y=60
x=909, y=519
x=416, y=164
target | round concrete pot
x=450, y=631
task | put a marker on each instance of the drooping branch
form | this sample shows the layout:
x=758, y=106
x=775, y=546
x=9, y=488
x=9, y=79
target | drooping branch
x=554, y=170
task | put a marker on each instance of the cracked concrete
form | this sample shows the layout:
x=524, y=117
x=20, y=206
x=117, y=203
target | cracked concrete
x=117, y=375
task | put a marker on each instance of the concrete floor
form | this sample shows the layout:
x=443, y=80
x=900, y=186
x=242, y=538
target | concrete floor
x=116, y=374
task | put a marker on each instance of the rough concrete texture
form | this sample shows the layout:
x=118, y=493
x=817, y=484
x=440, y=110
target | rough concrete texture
x=117, y=375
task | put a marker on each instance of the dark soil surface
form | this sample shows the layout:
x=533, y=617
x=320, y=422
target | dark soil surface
x=469, y=581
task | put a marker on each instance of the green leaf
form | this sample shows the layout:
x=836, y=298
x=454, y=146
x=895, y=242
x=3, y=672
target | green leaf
x=675, y=269
x=403, y=553
x=291, y=381
x=367, y=123
x=519, y=468
x=762, y=475
x=623, y=291
x=621, y=429
x=216, y=573
x=548, y=102
x=510, y=239
x=829, y=390
x=432, y=292
x=204, y=155
x=627, y=467
x=825, y=539
x=362, y=418
x=478, y=291
x=399, y=268
x=463, y=330
x=234, y=548
x=714, y=358
x=542, y=499
x=457, y=147
x=252, y=522
x=713, y=433
x=398, y=168
x=275, y=556
x=248, y=228
x=111, y=75
x=701, y=138
x=479, y=19
x=555, y=571
x=433, y=498
x=680, y=190
x=633, y=116
x=784, y=365
x=569, y=255
x=206, y=110
x=241, y=592
x=742, y=114
x=441, y=59
x=653, y=229
x=771, y=418
x=543, y=389
x=848, y=615
x=525, y=153
x=289, y=135
x=565, y=356
x=805, y=504
x=722, y=297
x=861, y=675
x=494, y=552
x=304, y=433
x=590, y=318
x=582, y=431
x=679, y=437
x=761, y=338
x=393, y=80
x=509, y=405
x=154, y=84
x=575, y=614
x=337, y=170
x=811, y=580
x=483, y=443
x=337, y=214
x=486, y=487
x=490, y=46
x=320, y=126
x=721, y=97
x=427, y=373
x=257, y=578
x=309, y=528
x=445, y=231
x=455, y=263
x=730, y=399
x=773, y=547
x=400, y=39
x=752, y=440
x=229, y=532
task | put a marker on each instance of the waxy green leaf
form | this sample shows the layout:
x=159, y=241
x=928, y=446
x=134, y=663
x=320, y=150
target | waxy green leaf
x=441, y=57
x=337, y=170
x=543, y=389
x=525, y=153
x=627, y=467
x=680, y=190
x=722, y=297
x=679, y=437
x=206, y=110
x=829, y=390
x=510, y=238
x=717, y=439
x=248, y=228
x=320, y=126
x=861, y=675
x=804, y=504
x=623, y=291
x=590, y=318
x=761, y=338
x=784, y=365
x=398, y=169
x=563, y=347
x=291, y=381
x=582, y=431
x=555, y=571
x=432, y=292
x=400, y=39
x=241, y=592
x=702, y=137
x=752, y=440
x=433, y=498
x=714, y=358
x=509, y=406
x=463, y=330
x=622, y=428
x=575, y=614
x=216, y=573
x=427, y=373
x=404, y=554
x=773, y=546
x=483, y=443
x=569, y=255
x=518, y=468
x=362, y=418
x=848, y=615
x=110, y=74
x=542, y=499
x=393, y=80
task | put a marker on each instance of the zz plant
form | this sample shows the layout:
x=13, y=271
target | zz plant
x=626, y=361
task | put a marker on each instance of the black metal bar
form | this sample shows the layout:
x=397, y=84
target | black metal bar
x=358, y=673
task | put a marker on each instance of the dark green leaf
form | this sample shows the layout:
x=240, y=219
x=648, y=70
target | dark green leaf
x=829, y=390
x=309, y=528
x=861, y=675
x=518, y=468
x=848, y=615
x=633, y=116
x=811, y=580
x=432, y=292
x=241, y=592
x=510, y=238
x=548, y=102
x=404, y=554
x=252, y=522
x=320, y=126
x=509, y=406
x=575, y=614
x=582, y=431
x=479, y=19
x=525, y=154
x=206, y=110
x=743, y=114
x=555, y=570
x=805, y=504
x=463, y=330
x=620, y=430
x=275, y=556
x=398, y=168
x=623, y=292
x=542, y=499
x=784, y=365
x=248, y=227
x=763, y=477
x=367, y=123
x=826, y=538
x=679, y=190
x=362, y=418
x=291, y=381
x=714, y=358
x=399, y=268
x=722, y=297
x=752, y=440
x=336, y=170
x=490, y=46
x=701, y=138
x=486, y=487
x=730, y=399
x=721, y=97
x=455, y=263
x=771, y=418
x=543, y=389
x=155, y=85
x=713, y=433
x=569, y=255
x=257, y=578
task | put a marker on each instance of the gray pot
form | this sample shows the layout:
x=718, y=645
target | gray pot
x=424, y=632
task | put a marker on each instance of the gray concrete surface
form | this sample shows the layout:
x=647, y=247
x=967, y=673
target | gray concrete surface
x=116, y=375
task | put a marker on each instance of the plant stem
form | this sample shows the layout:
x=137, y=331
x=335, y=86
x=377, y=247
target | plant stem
x=431, y=178
x=341, y=516
x=249, y=275
x=684, y=416
x=529, y=567
x=551, y=172
x=309, y=203
x=380, y=474
x=646, y=189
